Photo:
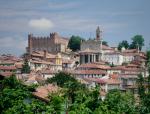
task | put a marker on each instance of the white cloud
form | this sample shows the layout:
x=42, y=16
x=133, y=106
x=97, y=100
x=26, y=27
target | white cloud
x=42, y=24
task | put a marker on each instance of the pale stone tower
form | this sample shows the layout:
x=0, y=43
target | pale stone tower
x=98, y=34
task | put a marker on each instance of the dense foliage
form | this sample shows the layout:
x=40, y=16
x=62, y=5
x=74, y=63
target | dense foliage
x=105, y=43
x=16, y=98
x=61, y=78
x=137, y=41
x=124, y=44
x=76, y=98
x=25, y=67
x=74, y=43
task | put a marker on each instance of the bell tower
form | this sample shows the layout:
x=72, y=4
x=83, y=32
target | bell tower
x=98, y=34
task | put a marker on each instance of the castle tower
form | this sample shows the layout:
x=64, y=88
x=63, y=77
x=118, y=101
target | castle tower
x=98, y=34
x=30, y=38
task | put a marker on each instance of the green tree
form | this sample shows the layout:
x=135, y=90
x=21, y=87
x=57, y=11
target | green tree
x=61, y=78
x=105, y=43
x=56, y=103
x=25, y=67
x=120, y=102
x=124, y=44
x=148, y=58
x=144, y=94
x=11, y=82
x=74, y=43
x=137, y=42
x=16, y=98
x=141, y=88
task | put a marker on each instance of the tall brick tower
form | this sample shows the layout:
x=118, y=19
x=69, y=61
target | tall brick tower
x=30, y=43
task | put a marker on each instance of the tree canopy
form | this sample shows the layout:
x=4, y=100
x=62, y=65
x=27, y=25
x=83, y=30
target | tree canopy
x=75, y=98
x=124, y=44
x=61, y=78
x=105, y=43
x=74, y=43
x=137, y=42
x=25, y=67
x=148, y=56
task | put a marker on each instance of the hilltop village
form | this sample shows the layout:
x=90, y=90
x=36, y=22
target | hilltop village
x=94, y=64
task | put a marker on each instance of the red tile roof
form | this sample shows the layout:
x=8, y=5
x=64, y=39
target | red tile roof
x=48, y=71
x=112, y=81
x=7, y=68
x=98, y=72
x=18, y=66
x=118, y=68
x=92, y=65
x=97, y=80
x=6, y=74
x=113, y=53
x=43, y=91
x=104, y=47
x=41, y=54
x=130, y=50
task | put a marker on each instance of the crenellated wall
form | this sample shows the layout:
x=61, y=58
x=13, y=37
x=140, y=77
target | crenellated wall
x=52, y=43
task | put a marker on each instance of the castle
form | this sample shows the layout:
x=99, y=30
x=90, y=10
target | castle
x=52, y=44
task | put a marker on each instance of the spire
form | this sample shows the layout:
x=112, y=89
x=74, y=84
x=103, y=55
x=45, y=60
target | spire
x=98, y=34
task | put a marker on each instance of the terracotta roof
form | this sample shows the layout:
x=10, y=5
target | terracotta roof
x=40, y=62
x=92, y=65
x=88, y=65
x=104, y=47
x=8, y=62
x=48, y=71
x=102, y=81
x=7, y=68
x=117, y=68
x=43, y=91
x=132, y=65
x=41, y=54
x=100, y=62
x=90, y=72
x=6, y=74
x=132, y=69
x=129, y=54
x=128, y=75
x=97, y=80
x=130, y=50
x=19, y=66
x=104, y=67
x=114, y=76
x=112, y=81
x=113, y=53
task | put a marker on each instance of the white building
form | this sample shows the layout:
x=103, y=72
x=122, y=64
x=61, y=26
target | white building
x=115, y=58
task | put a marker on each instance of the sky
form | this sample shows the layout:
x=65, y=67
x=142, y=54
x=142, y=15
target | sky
x=118, y=19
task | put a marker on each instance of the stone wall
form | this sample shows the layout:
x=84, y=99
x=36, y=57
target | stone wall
x=52, y=43
x=91, y=44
